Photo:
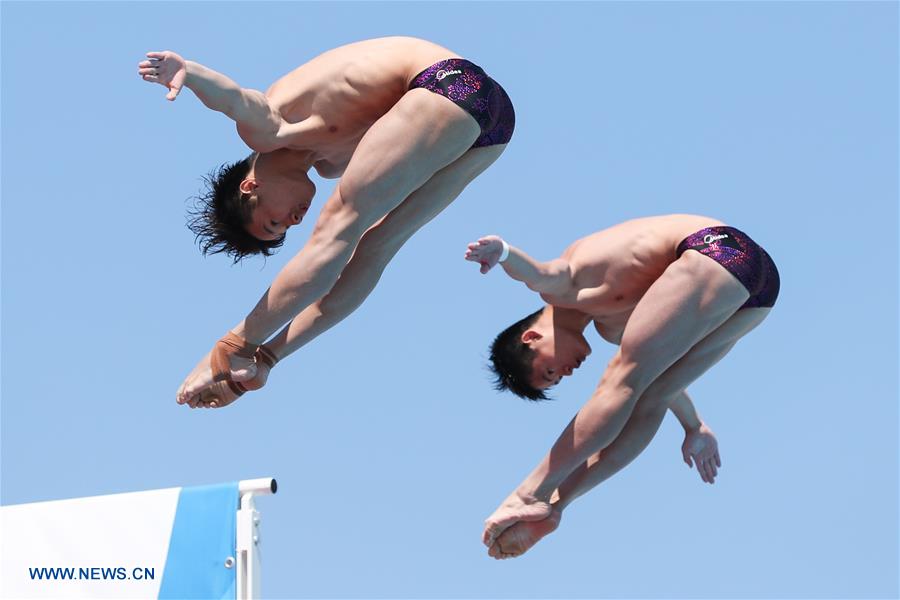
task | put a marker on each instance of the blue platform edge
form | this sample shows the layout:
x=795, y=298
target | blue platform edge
x=203, y=537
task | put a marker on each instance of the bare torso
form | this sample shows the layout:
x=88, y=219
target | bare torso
x=613, y=268
x=341, y=93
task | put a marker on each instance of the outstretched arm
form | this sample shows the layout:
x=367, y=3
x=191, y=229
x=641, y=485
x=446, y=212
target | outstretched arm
x=356, y=282
x=700, y=446
x=312, y=272
x=258, y=123
x=684, y=410
x=553, y=277
x=635, y=436
x=325, y=254
x=375, y=250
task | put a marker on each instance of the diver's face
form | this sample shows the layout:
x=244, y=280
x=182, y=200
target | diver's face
x=275, y=212
x=279, y=204
x=557, y=354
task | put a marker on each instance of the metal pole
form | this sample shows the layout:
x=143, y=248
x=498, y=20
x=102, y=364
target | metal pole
x=248, y=554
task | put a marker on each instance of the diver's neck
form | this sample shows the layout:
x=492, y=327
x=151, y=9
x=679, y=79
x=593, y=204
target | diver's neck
x=567, y=318
x=289, y=160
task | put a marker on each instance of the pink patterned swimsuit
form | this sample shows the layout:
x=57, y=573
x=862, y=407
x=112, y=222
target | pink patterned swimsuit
x=469, y=87
x=744, y=258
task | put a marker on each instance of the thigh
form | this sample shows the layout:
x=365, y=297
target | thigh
x=428, y=201
x=382, y=241
x=419, y=136
x=692, y=298
x=706, y=353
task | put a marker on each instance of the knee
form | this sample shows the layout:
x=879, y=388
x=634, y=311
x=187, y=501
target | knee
x=342, y=218
x=626, y=371
x=381, y=244
x=652, y=403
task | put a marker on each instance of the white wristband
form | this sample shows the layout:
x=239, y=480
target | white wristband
x=505, y=254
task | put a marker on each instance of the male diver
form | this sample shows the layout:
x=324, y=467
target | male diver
x=675, y=293
x=404, y=123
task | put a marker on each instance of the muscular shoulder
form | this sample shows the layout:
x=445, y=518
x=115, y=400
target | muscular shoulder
x=259, y=140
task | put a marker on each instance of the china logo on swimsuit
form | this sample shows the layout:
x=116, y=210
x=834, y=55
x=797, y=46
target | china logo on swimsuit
x=710, y=238
x=442, y=73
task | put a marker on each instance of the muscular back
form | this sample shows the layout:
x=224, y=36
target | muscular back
x=341, y=93
x=613, y=268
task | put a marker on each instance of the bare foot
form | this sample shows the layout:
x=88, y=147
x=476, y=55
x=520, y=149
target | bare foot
x=514, y=509
x=519, y=538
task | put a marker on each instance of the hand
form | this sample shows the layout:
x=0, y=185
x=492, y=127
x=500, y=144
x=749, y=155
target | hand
x=223, y=393
x=165, y=68
x=522, y=536
x=514, y=509
x=231, y=359
x=217, y=395
x=485, y=251
x=202, y=377
x=700, y=445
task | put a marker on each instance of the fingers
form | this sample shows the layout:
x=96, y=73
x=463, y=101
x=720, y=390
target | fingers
x=475, y=247
x=701, y=467
x=194, y=385
x=475, y=256
x=477, y=253
x=700, y=470
x=149, y=67
x=217, y=395
x=204, y=399
x=148, y=72
x=191, y=389
x=718, y=460
x=195, y=400
x=182, y=395
x=707, y=468
x=488, y=535
x=201, y=389
x=494, y=527
x=492, y=530
x=686, y=456
x=494, y=551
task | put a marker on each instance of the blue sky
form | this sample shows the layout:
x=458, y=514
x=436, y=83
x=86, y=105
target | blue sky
x=389, y=445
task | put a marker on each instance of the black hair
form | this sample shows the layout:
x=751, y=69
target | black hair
x=220, y=214
x=511, y=360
